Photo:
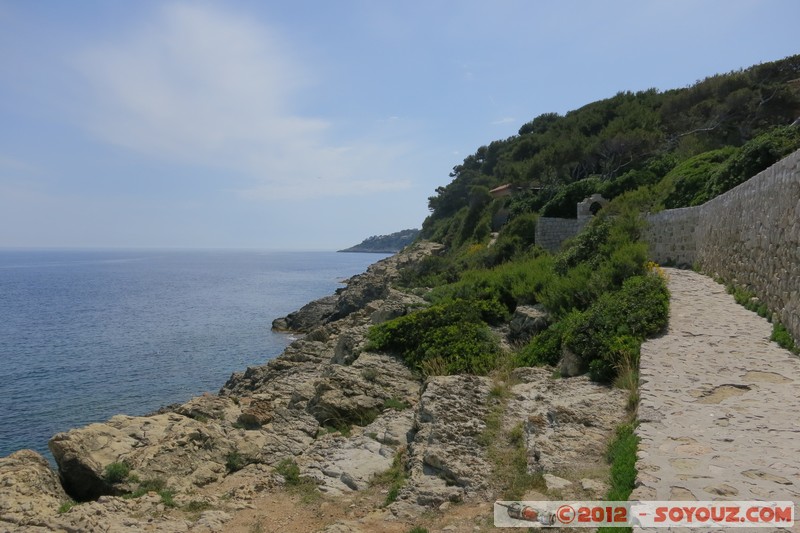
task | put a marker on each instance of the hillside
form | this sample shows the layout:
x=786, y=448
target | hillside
x=686, y=145
x=385, y=243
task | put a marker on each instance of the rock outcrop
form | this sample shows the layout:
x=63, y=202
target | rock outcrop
x=29, y=492
x=337, y=411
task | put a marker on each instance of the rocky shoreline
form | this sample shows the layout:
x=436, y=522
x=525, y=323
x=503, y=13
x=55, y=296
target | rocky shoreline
x=338, y=414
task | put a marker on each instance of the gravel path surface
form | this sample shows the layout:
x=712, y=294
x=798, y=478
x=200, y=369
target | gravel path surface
x=719, y=403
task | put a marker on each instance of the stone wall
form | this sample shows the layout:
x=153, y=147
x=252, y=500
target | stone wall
x=671, y=236
x=749, y=236
x=551, y=232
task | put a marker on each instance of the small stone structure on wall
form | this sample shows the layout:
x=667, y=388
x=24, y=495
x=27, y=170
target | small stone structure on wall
x=749, y=236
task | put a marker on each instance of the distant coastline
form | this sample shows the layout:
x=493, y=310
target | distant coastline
x=385, y=244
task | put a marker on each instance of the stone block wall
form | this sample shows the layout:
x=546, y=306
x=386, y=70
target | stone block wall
x=750, y=236
x=671, y=236
x=551, y=232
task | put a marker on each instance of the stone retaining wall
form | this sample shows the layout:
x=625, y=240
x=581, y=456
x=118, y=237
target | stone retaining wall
x=749, y=236
x=551, y=232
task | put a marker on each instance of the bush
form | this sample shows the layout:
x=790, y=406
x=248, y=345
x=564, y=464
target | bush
x=454, y=331
x=518, y=282
x=753, y=157
x=116, y=472
x=289, y=470
x=234, y=462
x=545, y=348
x=784, y=339
x=612, y=329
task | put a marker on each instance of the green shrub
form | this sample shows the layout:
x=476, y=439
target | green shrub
x=545, y=348
x=784, y=339
x=148, y=485
x=613, y=327
x=687, y=180
x=573, y=290
x=197, y=506
x=454, y=331
x=518, y=282
x=116, y=472
x=289, y=470
x=753, y=157
x=234, y=461
x=167, y=497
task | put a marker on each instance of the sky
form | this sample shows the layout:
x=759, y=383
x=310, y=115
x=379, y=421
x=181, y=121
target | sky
x=311, y=125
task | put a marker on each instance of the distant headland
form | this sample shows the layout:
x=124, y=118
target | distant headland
x=385, y=244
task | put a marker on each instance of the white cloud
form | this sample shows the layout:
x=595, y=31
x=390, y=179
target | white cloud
x=203, y=86
x=504, y=120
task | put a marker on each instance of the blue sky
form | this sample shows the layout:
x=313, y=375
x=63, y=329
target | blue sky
x=310, y=124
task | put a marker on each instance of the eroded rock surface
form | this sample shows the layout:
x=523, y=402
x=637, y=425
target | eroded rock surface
x=29, y=491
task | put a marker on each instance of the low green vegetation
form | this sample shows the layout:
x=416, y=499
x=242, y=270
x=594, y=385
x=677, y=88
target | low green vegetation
x=302, y=485
x=784, y=339
x=116, y=472
x=621, y=455
x=750, y=301
x=506, y=449
x=66, y=506
x=197, y=506
x=394, y=478
x=602, y=297
x=452, y=336
x=157, y=485
x=234, y=461
x=397, y=405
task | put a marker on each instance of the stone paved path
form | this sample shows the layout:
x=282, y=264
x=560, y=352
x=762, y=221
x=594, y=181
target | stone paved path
x=720, y=404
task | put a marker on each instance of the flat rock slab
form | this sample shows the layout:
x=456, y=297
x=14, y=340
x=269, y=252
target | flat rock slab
x=719, y=403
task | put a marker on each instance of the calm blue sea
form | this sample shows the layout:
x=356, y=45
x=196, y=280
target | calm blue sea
x=85, y=335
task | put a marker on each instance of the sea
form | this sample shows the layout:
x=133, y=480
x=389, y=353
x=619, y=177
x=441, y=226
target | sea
x=87, y=334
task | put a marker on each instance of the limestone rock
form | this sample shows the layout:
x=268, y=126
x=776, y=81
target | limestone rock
x=356, y=394
x=395, y=305
x=343, y=464
x=556, y=483
x=117, y=515
x=29, y=490
x=446, y=461
x=567, y=422
x=184, y=452
x=256, y=412
x=309, y=316
x=570, y=364
x=290, y=433
x=394, y=428
x=528, y=320
x=210, y=407
x=347, y=347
